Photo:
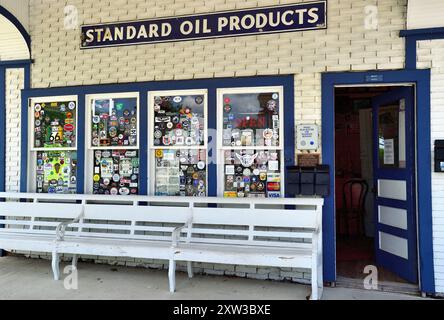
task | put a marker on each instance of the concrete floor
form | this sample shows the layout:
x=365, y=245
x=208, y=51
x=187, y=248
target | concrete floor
x=26, y=279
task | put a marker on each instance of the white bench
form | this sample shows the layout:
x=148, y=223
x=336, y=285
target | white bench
x=260, y=232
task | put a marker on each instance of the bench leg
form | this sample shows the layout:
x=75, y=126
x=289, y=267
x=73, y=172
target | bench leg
x=190, y=270
x=172, y=276
x=55, y=265
x=75, y=259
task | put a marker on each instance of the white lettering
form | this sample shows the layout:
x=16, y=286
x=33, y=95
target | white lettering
x=90, y=35
x=313, y=14
x=186, y=28
x=284, y=18
x=166, y=29
x=131, y=33
x=275, y=23
x=234, y=23
x=154, y=30
x=261, y=20
x=223, y=22
x=301, y=13
x=205, y=26
x=118, y=33
x=99, y=34
x=142, y=33
x=108, y=35
x=251, y=23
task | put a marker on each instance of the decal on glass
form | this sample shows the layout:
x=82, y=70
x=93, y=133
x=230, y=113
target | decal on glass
x=116, y=172
x=114, y=123
x=55, y=124
x=57, y=172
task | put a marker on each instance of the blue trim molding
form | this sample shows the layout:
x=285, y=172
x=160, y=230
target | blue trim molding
x=17, y=64
x=287, y=82
x=8, y=15
x=411, y=39
x=424, y=171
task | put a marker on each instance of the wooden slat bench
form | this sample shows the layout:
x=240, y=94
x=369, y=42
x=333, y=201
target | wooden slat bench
x=260, y=232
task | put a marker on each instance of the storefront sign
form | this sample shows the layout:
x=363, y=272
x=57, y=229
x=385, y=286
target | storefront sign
x=276, y=19
x=309, y=160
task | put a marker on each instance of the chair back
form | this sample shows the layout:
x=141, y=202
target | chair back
x=355, y=194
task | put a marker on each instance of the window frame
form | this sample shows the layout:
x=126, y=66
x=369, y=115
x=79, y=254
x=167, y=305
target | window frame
x=152, y=148
x=221, y=149
x=32, y=151
x=90, y=149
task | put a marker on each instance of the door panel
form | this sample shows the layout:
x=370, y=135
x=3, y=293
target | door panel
x=394, y=170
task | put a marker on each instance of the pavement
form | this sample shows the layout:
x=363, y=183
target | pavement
x=31, y=279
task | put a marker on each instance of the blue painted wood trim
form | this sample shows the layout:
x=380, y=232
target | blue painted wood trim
x=424, y=34
x=8, y=15
x=2, y=128
x=18, y=64
x=410, y=53
x=424, y=169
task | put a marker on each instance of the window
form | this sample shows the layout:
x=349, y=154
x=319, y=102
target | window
x=251, y=142
x=113, y=144
x=53, y=136
x=178, y=143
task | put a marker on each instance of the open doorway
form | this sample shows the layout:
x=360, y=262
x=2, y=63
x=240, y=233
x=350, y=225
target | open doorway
x=374, y=159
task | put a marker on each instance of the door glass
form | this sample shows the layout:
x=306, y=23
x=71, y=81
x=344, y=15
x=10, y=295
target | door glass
x=392, y=135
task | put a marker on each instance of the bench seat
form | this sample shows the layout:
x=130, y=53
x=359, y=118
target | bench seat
x=245, y=255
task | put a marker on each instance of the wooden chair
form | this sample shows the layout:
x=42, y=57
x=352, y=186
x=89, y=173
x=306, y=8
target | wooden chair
x=354, y=195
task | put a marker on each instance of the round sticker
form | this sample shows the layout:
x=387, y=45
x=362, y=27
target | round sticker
x=124, y=191
x=275, y=96
x=227, y=100
x=38, y=108
x=228, y=108
x=263, y=176
x=170, y=125
x=158, y=134
x=116, y=178
x=72, y=105
x=69, y=128
x=159, y=154
x=106, y=182
x=247, y=172
x=177, y=99
x=63, y=108
x=189, y=141
x=96, y=178
x=38, y=123
x=268, y=134
x=126, y=113
x=113, y=132
x=96, y=119
x=201, y=165
x=96, y=142
x=179, y=132
x=199, y=100
x=157, y=108
x=256, y=172
x=114, y=192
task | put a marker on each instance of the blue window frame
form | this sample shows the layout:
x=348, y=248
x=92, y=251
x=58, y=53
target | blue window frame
x=212, y=85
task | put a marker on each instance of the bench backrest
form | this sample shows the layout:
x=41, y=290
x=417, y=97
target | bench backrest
x=258, y=225
x=264, y=222
x=34, y=216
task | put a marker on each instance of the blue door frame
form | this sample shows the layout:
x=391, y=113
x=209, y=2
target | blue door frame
x=421, y=78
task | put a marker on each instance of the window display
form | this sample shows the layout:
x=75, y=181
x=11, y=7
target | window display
x=116, y=172
x=55, y=124
x=114, y=123
x=56, y=172
x=252, y=174
x=251, y=142
x=179, y=121
x=251, y=119
x=181, y=173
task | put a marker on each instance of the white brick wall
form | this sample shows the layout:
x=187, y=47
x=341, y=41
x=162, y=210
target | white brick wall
x=431, y=55
x=345, y=46
x=14, y=83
